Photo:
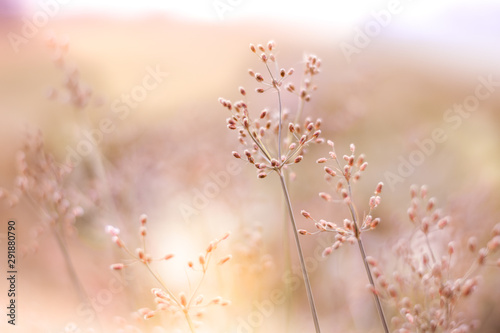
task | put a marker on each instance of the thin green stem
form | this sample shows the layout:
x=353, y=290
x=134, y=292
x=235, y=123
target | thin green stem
x=299, y=250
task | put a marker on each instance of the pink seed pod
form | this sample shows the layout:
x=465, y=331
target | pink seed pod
x=494, y=243
x=242, y=91
x=236, y=154
x=483, y=253
x=423, y=191
x=117, y=267
x=375, y=223
x=142, y=231
x=298, y=159
x=201, y=259
x=330, y=172
x=443, y=222
x=496, y=230
x=168, y=256
x=306, y=214
x=363, y=166
x=262, y=175
x=393, y=292
x=327, y=251
x=451, y=248
x=252, y=48
x=325, y=196
x=303, y=232
x=430, y=204
x=321, y=160
x=183, y=299
x=472, y=244
x=225, y=259
x=117, y=241
x=371, y=261
x=378, y=189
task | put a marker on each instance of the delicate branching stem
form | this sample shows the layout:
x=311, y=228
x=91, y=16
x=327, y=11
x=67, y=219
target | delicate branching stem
x=280, y=124
x=164, y=286
x=357, y=233
x=299, y=250
x=71, y=268
x=430, y=248
x=380, y=310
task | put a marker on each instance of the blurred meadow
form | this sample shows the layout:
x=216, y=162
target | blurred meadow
x=124, y=96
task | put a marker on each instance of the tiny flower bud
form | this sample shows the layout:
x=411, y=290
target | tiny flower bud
x=472, y=244
x=168, y=256
x=321, y=160
x=117, y=267
x=252, y=48
x=236, y=154
x=242, y=91
x=325, y=196
x=330, y=171
x=305, y=214
x=183, y=299
x=225, y=259
x=327, y=252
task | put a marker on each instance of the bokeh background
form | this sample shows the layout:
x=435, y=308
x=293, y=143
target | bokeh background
x=166, y=150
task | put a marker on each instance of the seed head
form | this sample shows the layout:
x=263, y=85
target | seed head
x=306, y=214
x=117, y=267
x=330, y=172
x=225, y=259
x=327, y=251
